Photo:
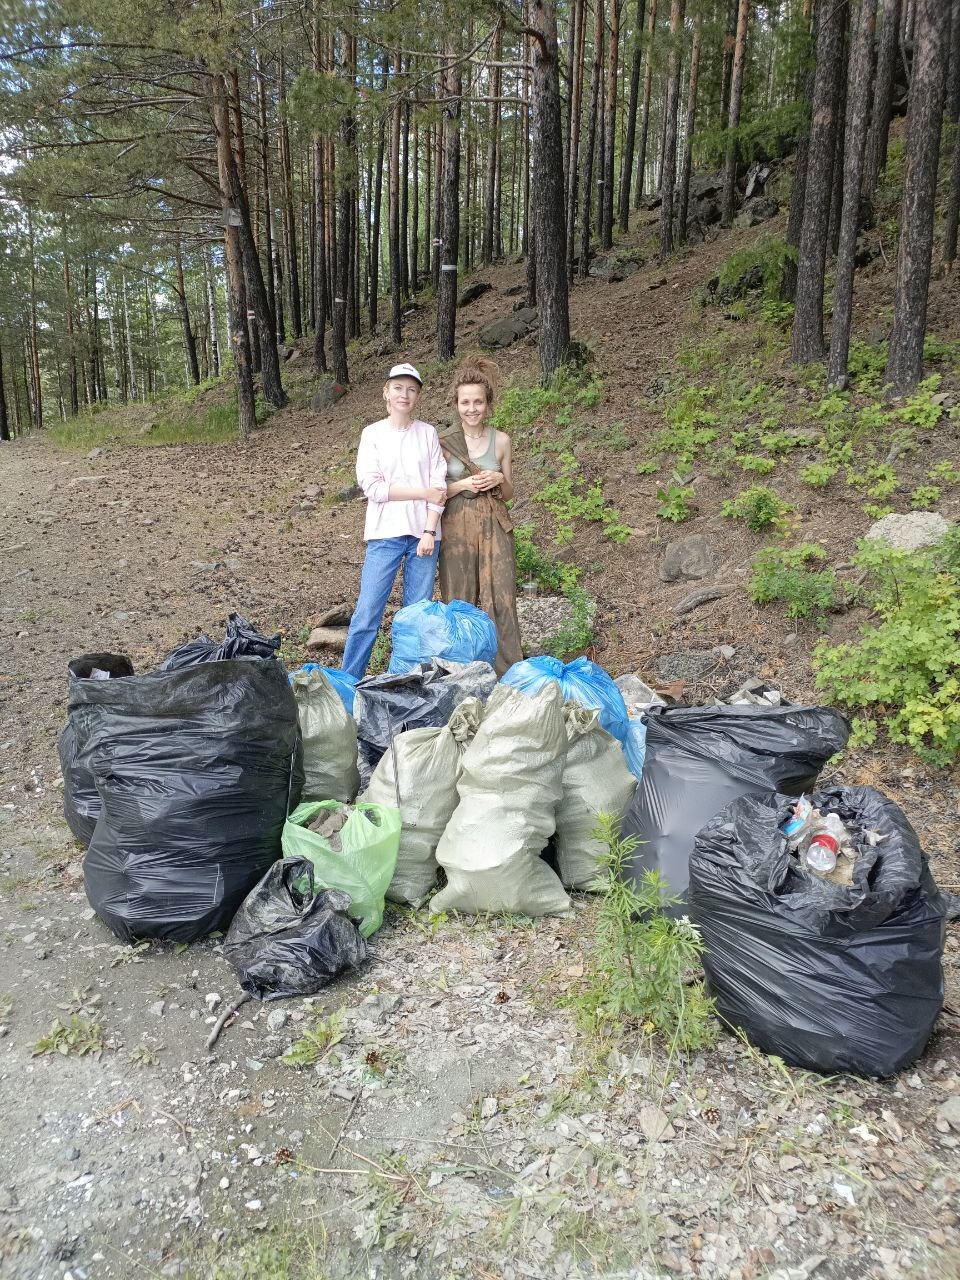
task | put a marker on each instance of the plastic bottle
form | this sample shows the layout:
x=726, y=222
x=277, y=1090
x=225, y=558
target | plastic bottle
x=799, y=822
x=821, y=852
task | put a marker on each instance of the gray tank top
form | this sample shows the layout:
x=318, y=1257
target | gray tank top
x=486, y=462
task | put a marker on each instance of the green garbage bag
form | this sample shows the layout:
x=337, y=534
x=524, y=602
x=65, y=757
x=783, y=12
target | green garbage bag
x=363, y=867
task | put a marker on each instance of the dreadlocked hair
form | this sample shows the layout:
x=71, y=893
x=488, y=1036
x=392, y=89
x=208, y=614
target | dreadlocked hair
x=477, y=371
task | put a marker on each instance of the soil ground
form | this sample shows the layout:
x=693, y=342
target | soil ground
x=462, y=1125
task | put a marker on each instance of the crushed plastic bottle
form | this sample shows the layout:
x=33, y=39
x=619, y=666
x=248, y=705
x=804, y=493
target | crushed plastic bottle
x=821, y=852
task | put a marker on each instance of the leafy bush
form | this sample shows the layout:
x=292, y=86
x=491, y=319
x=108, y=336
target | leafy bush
x=767, y=134
x=919, y=410
x=759, y=507
x=818, y=474
x=756, y=465
x=569, y=496
x=924, y=496
x=789, y=576
x=904, y=671
x=759, y=265
x=642, y=960
x=675, y=502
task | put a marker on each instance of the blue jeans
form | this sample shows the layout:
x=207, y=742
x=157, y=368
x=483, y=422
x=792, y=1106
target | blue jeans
x=380, y=564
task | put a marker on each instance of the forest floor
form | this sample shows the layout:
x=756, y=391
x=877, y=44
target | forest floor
x=462, y=1125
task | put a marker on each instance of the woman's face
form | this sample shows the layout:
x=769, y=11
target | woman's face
x=472, y=404
x=401, y=395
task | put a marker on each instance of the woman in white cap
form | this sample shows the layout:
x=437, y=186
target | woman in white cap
x=403, y=473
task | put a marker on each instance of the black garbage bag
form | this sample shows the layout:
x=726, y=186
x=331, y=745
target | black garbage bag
x=241, y=640
x=289, y=939
x=828, y=976
x=422, y=698
x=699, y=759
x=81, y=801
x=196, y=770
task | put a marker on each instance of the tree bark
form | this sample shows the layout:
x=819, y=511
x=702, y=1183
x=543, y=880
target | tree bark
x=610, y=126
x=189, y=340
x=578, y=21
x=858, y=106
x=733, y=116
x=807, y=341
x=547, y=185
x=586, y=181
x=836, y=198
x=670, y=133
x=404, y=199
x=638, y=185
x=887, y=50
x=683, y=202
x=396, y=279
x=953, y=115
x=71, y=337
x=924, y=120
x=374, y=264
x=629, y=144
x=290, y=223
x=343, y=251
x=239, y=335
x=798, y=188
x=449, y=252
x=729, y=44
x=493, y=146
x=4, y=419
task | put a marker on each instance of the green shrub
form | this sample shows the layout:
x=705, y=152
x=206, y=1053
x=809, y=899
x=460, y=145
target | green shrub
x=924, y=496
x=919, y=410
x=764, y=260
x=642, y=965
x=904, y=671
x=759, y=507
x=533, y=566
x=790, y=576
x=755, y=465
x=675, y=502
x=818, y=474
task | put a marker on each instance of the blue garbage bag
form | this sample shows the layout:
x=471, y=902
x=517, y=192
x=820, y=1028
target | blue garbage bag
x=342, y=681
x=455, y=632
x=580, y=681
x=635, y=745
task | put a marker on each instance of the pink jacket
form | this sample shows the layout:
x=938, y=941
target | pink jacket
x=393, y=455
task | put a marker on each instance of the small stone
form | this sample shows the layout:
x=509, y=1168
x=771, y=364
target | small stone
x=157, y=1008
x=28, y=939
x=911, y=530
x=224, y=1184
x=95, y=453
x=327, y=638
x=948, y=1113
x=212, y=999
x=488, y=1108
x=655, y=1125
x=312, y=492
x=253, y=1205
x=689, y=557
x=277, y=1019
x=348, y=493
x=726, y=651
x=790, y=1162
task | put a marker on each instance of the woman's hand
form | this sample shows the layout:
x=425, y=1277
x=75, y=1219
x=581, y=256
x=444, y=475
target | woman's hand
x=437, y=496
x=486, y=480
x=426, y=544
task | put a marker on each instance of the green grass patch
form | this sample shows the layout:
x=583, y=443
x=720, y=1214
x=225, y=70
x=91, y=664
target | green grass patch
x=794, y=577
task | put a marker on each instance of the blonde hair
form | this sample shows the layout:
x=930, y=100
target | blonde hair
x=477, y=371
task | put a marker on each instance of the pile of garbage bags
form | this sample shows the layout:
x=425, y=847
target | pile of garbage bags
x=194, y=767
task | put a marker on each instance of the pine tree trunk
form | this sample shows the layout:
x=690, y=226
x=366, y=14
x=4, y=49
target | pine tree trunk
x=415, y=214
x=836, y=198
x=887, y=50
x=586, y=180
x=924, y=120
x=547, y=184
x=375, y=229
x=289, y=221
x=645, y=110
x=4, y=420
x=71, y=338
x=729, y=44
x=858, y=106
x=807, y=341
x=493, y=146
x=189, y=341
x=798, y=188
x=953, y=115
x=670, y=134
x=733, y=116
x=239, y=336
x=131, y=373
x=437, y=209
x=449, y=251
x=264, y=141
x=404, y=199
x=683, y=200
x=396, y=278
x=610, y=127
x=578, y=21
x=214, y=320
x=630, y=139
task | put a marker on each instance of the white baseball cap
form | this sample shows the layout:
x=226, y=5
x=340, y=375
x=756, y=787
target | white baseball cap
x=404, y=371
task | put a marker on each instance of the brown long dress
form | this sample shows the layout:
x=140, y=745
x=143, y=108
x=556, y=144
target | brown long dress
x=477, y=557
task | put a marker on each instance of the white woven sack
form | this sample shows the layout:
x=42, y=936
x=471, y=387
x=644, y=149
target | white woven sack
x=418, y=775
x=509, y=789
x=329, y=739
x=595, y=780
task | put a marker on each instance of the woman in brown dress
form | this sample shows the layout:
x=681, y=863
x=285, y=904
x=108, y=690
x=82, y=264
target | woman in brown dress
x=477, y=558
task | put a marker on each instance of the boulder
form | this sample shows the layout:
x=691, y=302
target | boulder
x=337, y=616
x=613, y=268
x=508, y=329
x=911, y=531
x=690, y=557
x=327, y=638
x=473, y=291
x=326, y=394
x=755, y=211
x=756, y=179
